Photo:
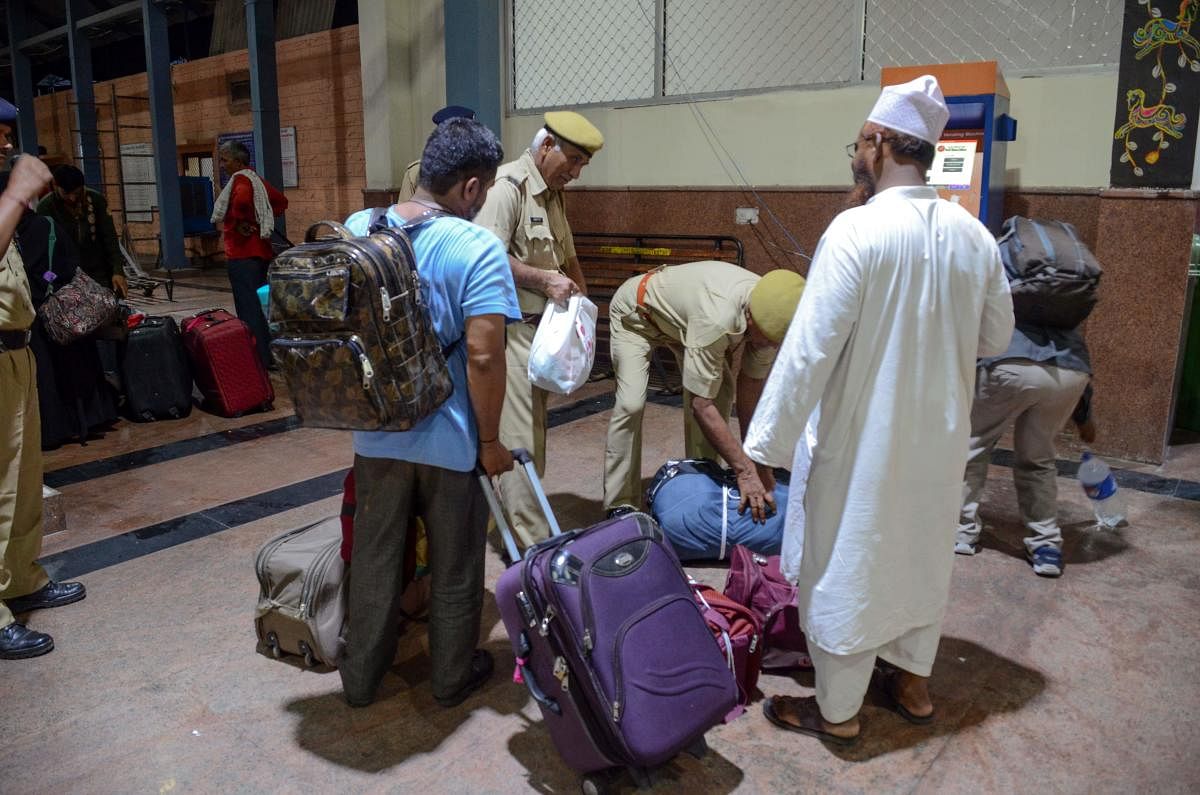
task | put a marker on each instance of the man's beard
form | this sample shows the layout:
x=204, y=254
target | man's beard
x=864, y=185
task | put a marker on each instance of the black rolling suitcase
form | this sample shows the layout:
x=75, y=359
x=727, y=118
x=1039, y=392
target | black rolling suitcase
x=155, y=372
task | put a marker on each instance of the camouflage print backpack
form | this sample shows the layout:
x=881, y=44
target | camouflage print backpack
x=355, y=342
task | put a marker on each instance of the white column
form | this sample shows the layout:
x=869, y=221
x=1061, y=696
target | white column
x=404, y=82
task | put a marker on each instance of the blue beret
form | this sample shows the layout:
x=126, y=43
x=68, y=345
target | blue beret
x=8, y=112
x=453, y=112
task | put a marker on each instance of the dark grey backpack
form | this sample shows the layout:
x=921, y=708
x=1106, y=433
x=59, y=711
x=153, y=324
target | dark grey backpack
x=1052, y=275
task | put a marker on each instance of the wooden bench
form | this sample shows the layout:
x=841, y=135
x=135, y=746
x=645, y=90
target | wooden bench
x=609, y=259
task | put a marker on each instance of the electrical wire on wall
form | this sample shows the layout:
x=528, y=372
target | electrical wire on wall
x=729, y=163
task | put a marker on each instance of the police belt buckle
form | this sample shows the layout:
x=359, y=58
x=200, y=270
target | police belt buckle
x=14, y=340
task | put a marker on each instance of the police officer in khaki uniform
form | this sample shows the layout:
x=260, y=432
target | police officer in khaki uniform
x=704, y=312
x=412, y=172
x=525, y=209
x=24, y=585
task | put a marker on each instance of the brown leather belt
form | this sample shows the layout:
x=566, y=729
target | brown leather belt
x=643, y=311
x=14, y=340
x=641, y=291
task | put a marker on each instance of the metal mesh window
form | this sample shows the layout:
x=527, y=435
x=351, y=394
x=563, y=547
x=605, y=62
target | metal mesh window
x=1021, y=36
x=575, y=52
x=718, y=45
x=580, y=52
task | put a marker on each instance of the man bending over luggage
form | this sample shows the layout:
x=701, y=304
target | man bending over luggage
x=704, y=312
x=428, y=470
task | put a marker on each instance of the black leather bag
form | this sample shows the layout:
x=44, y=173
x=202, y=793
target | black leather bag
x=1053, y=277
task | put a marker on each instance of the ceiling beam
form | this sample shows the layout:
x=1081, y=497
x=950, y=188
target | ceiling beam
x=127, y=9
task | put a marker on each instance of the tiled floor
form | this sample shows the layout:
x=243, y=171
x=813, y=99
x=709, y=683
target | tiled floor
x=1082, y=684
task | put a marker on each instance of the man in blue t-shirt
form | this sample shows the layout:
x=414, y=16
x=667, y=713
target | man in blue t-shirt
x=429, y=470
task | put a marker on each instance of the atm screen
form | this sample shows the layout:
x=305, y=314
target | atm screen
x=957, y=170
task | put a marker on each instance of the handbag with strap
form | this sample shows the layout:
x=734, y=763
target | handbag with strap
x=737, y=630
x=756, y=582
x=77, y=308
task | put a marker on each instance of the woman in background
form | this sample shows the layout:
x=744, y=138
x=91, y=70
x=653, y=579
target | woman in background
x=73, y=397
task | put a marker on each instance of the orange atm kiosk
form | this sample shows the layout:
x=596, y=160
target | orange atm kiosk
x=969, y=160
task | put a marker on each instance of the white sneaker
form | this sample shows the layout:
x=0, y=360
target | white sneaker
x=964, y=548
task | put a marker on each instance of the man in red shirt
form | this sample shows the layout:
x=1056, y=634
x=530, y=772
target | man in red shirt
x=247, y=209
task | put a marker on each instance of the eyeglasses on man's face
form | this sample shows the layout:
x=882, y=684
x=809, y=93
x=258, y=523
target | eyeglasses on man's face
x=874, y=138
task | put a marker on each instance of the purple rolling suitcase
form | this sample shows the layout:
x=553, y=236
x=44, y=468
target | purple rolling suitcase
x=611, y=644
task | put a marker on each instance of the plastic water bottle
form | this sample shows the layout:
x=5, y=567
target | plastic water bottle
x=1101, y=488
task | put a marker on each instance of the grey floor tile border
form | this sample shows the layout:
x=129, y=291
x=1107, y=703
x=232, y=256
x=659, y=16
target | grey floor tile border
x=97, y=555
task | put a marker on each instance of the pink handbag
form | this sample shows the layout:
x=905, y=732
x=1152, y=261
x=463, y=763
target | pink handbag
x=77, y=308
x=755, y=581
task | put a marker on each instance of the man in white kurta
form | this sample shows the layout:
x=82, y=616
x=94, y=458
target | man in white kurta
x=903, y=293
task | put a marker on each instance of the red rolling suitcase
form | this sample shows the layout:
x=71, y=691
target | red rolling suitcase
x=611, y=644
x=225, y=363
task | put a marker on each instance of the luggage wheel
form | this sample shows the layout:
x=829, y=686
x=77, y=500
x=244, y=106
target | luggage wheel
x=310, y=659
x=273, y=645
x=699, y=748
x=642, y=778
x=595, y=784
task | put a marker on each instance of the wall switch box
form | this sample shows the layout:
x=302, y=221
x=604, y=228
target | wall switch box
x=746, y=215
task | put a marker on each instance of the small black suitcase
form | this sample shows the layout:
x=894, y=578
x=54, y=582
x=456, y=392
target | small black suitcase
x=155, y=372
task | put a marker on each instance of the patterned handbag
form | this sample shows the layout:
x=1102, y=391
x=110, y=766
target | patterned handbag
x=77, y=308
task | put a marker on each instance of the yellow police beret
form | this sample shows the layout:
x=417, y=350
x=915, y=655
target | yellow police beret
x=574, y=129
x=773, y=302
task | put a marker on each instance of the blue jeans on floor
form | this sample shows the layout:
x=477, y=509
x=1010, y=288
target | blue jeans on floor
x=245, y=277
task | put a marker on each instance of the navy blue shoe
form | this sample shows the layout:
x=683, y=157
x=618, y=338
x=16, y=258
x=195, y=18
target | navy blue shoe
x=1047, y=561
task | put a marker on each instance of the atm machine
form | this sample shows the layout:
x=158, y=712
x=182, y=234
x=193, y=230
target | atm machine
x=969, y=160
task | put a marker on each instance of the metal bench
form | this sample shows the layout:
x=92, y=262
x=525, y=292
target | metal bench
x=609, y=259
x=140, y=280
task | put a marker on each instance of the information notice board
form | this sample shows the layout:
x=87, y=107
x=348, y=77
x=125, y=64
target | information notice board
x=287, y=145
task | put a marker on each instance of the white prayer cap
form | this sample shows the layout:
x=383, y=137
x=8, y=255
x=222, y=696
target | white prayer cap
x=915, y=108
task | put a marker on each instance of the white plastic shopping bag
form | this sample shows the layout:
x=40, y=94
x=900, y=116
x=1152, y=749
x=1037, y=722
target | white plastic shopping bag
x=564, y=347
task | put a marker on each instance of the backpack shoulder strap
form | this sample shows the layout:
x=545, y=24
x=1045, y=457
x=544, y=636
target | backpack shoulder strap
x=431, y=213
x=1044, y=239
x=378, y=220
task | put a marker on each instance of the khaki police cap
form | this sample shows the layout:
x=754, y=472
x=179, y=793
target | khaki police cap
x=569, y=126
x=773, y=302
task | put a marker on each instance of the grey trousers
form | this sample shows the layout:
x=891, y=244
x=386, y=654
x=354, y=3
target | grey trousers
x=454, y=510
x=1037, y=399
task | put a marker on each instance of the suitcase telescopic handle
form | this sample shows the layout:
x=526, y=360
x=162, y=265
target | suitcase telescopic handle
x=522, y=457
